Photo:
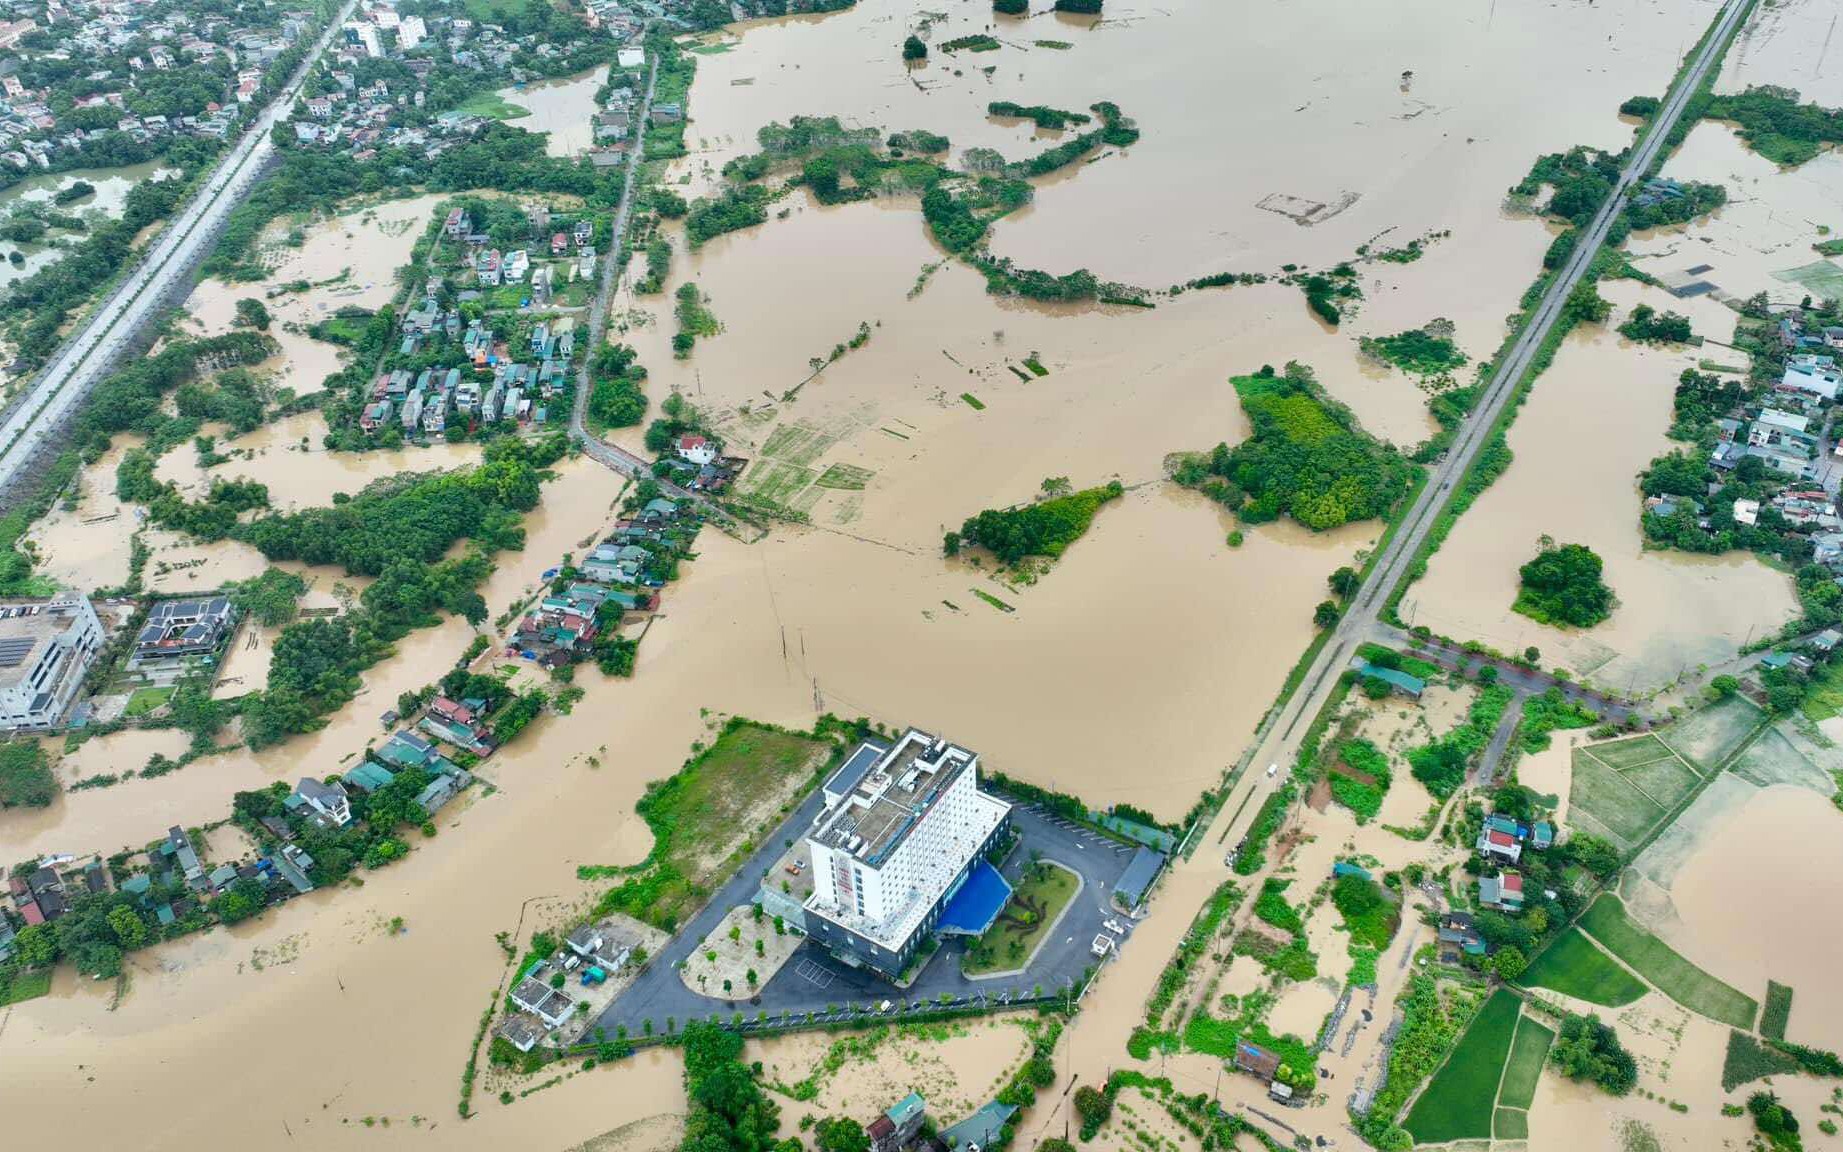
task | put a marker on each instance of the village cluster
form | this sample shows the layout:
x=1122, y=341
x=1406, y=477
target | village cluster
x=79, y=78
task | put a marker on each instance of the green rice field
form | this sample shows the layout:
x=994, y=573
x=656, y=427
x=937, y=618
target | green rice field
x=1608, y=923
x=1459, y=1103
x=1574, y=967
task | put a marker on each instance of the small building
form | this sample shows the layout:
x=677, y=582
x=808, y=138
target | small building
x=1503, y=892
x=631, y=56
x=437, y=793
x=368, y=776
x=897, y=1127
x=1131, y=888
x=1398, y=681
x=521, y=1030
x=178, y=847
x=979, y=1131
x=1457, y=933
x=1542, y=835
x=1747, y=512
x=1257, y=1061
x=1494, y=844
x=328, y=801
x=548, y=1004
x=696, y=449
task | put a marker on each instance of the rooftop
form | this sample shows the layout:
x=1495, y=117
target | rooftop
x=891, y=799
x=24, y=627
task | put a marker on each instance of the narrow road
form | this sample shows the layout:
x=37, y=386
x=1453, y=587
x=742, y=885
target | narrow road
x=33, y=420
x=1277, y=741
x=611, y=455
x=1527, y=681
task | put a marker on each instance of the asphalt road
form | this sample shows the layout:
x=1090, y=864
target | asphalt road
x=33, y=420
x=1277, y=741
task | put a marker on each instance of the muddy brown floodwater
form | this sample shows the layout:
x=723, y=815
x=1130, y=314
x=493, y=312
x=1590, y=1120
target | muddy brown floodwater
x=1134, y=670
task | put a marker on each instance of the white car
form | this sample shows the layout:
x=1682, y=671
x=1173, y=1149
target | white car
x=1273, y=770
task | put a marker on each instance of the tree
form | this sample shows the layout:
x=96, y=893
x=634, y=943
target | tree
x=252, y=314
x=914, y=49
x=36, y=945
x=840, y=1134
x=1724, y=686
x=1586, y=304
x=1326, y=614
x=271, y=597
x=1586, y=1049
x=1562, y=586
x=1509, y=963
x=129, y=928
x=1344, y=582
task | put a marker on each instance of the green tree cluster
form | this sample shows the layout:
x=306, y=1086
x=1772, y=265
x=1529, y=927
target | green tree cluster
x=1044, y=528
x=1562, y=586
x=1586, y=1049
x=1306, y=458
x=1648, y=325
x=26, y=780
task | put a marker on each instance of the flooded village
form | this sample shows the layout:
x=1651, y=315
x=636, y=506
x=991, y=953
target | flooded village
x=708, y=559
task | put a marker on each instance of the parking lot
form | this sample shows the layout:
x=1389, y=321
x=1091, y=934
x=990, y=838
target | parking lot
x=815, y=988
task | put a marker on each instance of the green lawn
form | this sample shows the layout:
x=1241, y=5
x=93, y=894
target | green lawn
x=28, y=985
x=145, y=700
x=494, y=11
x=1527, y=1054
x=1778, y=1010
x=1010, y=943
x=1826, y=697
x=706, y=817
x=1512, y=1124
x=1657, y=962
x=1458, y=1103
x=1574, y=967
x=491, y=105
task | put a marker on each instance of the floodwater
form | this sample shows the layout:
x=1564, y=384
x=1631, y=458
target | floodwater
x=1761, y=237
x=1738, y=919
x=1592, y=422
x=1786, y=44
x=350, y=261
x=109, y=199
x=1134, y=670
x=291, y=459
x=563, y=110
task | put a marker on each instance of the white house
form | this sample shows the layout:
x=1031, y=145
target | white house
x=696, y=449
x=1747, y=512
x=328, y=800
x=631, y=57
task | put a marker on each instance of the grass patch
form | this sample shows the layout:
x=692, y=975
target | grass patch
x=1426, y=351
x=1825, y=698
x=710, y=814
x=1511, y=1124
x=973, y=401
x=1778, y=1010
x=27, y=985
x=491, y=105
x=993, y=600
x=1748, y=1059
x=1657, y=962
x=1458, y=1104
x=145, y=700
x=1626, y=753
x=979, y=42
x=1046, y=890
x=1575, y=967
x=845, y=477
x=1611, y=800
x=1527, y=1053
x=1036, y=367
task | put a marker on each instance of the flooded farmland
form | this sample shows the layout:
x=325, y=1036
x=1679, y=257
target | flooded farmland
x=561, y=109
x=1135, y=669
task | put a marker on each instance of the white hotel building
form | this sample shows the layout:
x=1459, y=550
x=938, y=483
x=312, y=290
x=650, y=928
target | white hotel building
x=902, y=828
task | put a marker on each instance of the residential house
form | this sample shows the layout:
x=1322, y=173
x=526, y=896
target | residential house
x=1457, y=933
x=177, y=629
x=695, y=449
x=1497, y=844
x=541, y=1000
x=328, y=801
x=1747, y=512
x=897, y=1127
x=1503, y=892
x=487, y=266
x=517, y=263
x=1398, y=681
x=178, y=847
x=521, y=1030
x=584, y=232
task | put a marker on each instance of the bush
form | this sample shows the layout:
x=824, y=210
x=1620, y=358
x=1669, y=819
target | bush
x=25, y=775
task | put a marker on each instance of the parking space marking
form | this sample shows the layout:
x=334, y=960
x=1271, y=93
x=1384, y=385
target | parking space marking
x=818, y=974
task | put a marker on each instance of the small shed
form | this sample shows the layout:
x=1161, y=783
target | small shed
x=1136, y=881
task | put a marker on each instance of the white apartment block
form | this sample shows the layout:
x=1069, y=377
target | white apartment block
x=894, y=844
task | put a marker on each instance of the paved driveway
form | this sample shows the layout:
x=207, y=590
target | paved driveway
x=815, y=987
